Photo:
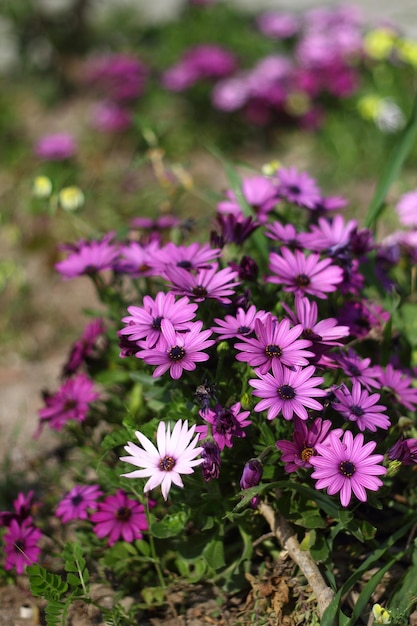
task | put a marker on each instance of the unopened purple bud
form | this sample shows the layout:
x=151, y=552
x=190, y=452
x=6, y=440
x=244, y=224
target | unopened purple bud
x=404, y=450
x=211, y=463
x=252, y=474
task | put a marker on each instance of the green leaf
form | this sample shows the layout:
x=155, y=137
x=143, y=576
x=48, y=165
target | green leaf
x=310, y=519
x=45, y=584
x=153, y=596
x=214, y=553
x=392, y=168
x=170, y=526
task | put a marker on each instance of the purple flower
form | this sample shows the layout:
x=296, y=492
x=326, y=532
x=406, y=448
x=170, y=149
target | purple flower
x=137, y=259
x=110, y=117
x=278, y=25
x=175, y=455
x=358, y=369
x=359, y=406
x=240, y=325
x=210, y=454
x=23, y=507
x=407, y=209
x=287, y=391
x=119, y=517
x=70, y=402
x=304, y=274
x=177, y=352
x=120, y=77
x=225, y=424
x=84, y=347
x=234, y=228
x=89, y=258
x=347, y=465
x=363, y=317
x=400, y=386
x=297, y=453
x=56, y=147
x=193, y=257
x=404, y=450
x=285, y=234
x=330, y=236
x=201, y=62
x=252, y=474
x=21, y=545
x=206, y=283
x=77, y=502
x=298, y=187
x=145, y=322
x=276, y=342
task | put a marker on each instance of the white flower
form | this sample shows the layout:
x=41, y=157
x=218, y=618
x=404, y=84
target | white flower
x=175, y=455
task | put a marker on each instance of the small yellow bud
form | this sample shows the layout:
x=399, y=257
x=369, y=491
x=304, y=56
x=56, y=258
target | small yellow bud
x=42, y=187
x=271, y=168
x=381, y=615
x=393, y=468
x=245, y=402
x=369, y=107
x=379, y=43
x=407, y=51
x=71, y=198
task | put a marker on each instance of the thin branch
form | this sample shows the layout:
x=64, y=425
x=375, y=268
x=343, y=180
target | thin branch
x=288, y=540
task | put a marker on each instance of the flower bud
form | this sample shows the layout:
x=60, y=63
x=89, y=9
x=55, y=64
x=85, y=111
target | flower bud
x=71, y=198
x=42, y=187
x=252, y=474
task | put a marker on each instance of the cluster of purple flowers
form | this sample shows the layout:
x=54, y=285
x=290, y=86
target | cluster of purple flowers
x=22, y=537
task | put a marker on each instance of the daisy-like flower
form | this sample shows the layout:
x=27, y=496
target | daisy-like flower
x=400, y=386
x=298, y=187
x=174, y=455
x=138, y=259
x=285, y=234
x=145, y=322
x=225, y=424
x=276, y=342
x=193, y=257
x=407, y=209
x=23, y=507
x=210, y=467
x=89, y=258
x=21, y=545
x=70, y=402
x=331, y=236
x=304, y=274
x=347, y=465
x=119, y=517
x=84, y=347
x=404, y=450
x=324, y=332
x=287, y=391
x=358, y=369
x=233, y=229
x=206, y=283
x=56, y=147
x=297, y=453
x=77, y=502
x=239, y=325
x=360, y=406
x=177, y=352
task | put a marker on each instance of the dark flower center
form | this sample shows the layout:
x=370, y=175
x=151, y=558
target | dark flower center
x=273, y=350
x=156, y=322
x=357, y=410
x=302, y=280
x=123, y=514
x=176, y=353
x=308, y=333
x=306, y=453
x=144, y=268
x=352, y=369
x=199, y=291
x=76, y=499
x=286, y=392
x=225, y=421
x=19, y=546
x=243, y=330
x=347, y=468
x=294, y=189
x=167, y=464
x=70, y=404
x=187, y=265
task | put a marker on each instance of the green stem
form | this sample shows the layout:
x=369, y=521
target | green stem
x=152, y=547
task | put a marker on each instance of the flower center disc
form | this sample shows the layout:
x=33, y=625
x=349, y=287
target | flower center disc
x=199, y=291
x=347, y=468
x=286, y=392
x=156, y=322
x=357, y=410
x=273, y=350
x=123, y=514
x=306, y=453
x=176, y=353
x=302, y=280
x=167, y=464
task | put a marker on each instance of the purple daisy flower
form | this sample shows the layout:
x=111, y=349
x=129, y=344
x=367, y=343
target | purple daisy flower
x=347, y=465
x=210, y=467
x=297, y=453
x=88, y=258
x=304, y=274
x=138, y=259
x=23, y=507
x=21, y=545
x=84, y=347
x=70, y=402
x=163, y=465
x=206, y=283
x=324, y=332
x=287, y=391
x=400, y=386
x=225, y=424
x=119, y=517
x=358, y=369
x=359, y=406
x=145, y=322
x=276, y=342
x=407, y=209
x=239, y=325
x=233, y=229
x=285, y=234
x=404, y=450
x=177, y=352
x=298, y=187
x=278, y=25
x=363, y=317
x=331, y=236
x=193, y=257
x=76, y=503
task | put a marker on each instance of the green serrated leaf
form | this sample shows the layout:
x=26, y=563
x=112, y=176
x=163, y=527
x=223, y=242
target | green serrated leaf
x=45, y=584
x=73, y=579
x=169, y=526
